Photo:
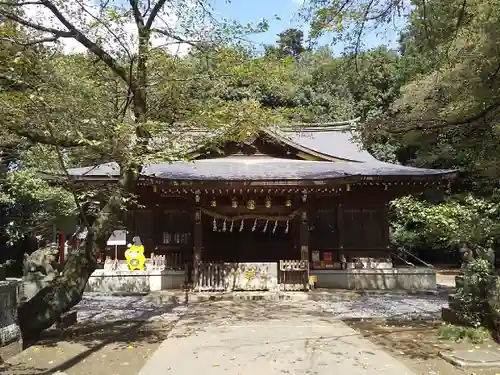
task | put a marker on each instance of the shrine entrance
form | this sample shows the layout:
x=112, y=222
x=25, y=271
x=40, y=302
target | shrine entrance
x=249, y=240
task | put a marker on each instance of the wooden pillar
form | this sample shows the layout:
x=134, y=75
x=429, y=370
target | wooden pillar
x=304, y=236
x=385, y=225
x=304, y=246
x=62, y=247
x=340, y=225
x=197, y=245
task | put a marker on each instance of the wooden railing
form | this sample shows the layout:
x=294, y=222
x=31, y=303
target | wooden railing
x=211, y=277
x=294, y=274
x=221, y=276
x=174, y=260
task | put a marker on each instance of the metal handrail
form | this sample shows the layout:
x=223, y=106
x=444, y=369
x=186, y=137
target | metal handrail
x=415, y=257
x=404, y=260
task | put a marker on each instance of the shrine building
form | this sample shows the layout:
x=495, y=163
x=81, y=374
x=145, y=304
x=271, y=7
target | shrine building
x=282, y=209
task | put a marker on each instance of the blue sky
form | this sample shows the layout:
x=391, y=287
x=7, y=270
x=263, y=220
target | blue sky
x=251, y=11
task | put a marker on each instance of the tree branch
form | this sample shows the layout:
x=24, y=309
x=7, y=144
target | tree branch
x=20, y=3
x=175, y=37
x=446, y=124
x=33, y=42
x=32, y=25
x=106, y=26
x=47, y=139
x=139, y=20
x=90, y=45
x=154, y=12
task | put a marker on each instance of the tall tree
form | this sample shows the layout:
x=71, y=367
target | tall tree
x=105, y=113
x=290, y=43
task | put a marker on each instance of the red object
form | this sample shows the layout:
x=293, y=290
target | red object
x=328, y=258
x=61, y=242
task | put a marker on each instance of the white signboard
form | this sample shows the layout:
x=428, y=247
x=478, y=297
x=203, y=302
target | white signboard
x=117, y=238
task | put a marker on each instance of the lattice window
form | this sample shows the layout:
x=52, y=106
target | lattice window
x=177, y=227
x=364, y=228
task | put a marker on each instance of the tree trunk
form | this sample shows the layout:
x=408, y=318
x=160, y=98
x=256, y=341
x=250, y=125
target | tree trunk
x=64, y=292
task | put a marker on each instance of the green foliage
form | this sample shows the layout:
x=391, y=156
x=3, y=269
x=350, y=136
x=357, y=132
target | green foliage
x=473, y=307
x=470, y=221
x=290, y=43
x=33, y=203
x=455, y=333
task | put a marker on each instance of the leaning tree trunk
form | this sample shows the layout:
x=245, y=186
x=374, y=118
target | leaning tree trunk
x=66, y=290
x=58, y=297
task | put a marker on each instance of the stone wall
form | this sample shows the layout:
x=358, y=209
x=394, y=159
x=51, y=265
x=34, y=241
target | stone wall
x=119, y=281
x=10, y=334
x=413, y=279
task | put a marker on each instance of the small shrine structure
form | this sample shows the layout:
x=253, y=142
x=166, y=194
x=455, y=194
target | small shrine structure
x=285, y=207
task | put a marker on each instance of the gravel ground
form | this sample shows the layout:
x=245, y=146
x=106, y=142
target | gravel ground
x=101, y=308
x=387, y=306
x=104, y=308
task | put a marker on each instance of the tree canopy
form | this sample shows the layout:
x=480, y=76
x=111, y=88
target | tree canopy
x=89, y=82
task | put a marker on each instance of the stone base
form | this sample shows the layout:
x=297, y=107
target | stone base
x=10, y=350
x=418, y=278
x=10, y=334
x=106, y=281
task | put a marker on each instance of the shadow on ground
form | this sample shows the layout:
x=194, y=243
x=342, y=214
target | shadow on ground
x=89, y=337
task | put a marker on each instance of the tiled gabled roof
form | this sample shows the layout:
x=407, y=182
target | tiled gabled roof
x=238, y=168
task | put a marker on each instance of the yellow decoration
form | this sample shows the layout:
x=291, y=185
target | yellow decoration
x=288, y=203
x=251, y=204
x=135, y=258
x=213, y=203
x=268, y=202
x=250, y=274
x=154, y=188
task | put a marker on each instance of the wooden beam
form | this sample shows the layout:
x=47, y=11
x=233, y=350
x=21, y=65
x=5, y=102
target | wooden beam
x=197, y=245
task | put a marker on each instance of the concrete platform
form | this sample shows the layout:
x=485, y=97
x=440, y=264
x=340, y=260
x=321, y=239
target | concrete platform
x=266, y=337
x=182, y=296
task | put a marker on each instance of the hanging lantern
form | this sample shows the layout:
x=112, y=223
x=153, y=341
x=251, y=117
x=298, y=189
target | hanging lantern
x=288, y=202
x=234, y=202
x=197, y=196
x=348, y=187
x=213, y=203
x=268, y=202
x=251, y=204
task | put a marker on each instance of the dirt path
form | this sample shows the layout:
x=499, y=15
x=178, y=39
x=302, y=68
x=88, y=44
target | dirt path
x=418, y=346
x=113, y=348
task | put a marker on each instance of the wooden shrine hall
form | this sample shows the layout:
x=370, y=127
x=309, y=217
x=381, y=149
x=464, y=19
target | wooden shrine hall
x=285, y=207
